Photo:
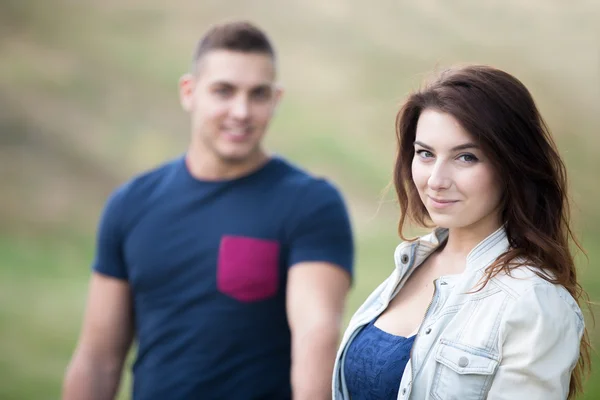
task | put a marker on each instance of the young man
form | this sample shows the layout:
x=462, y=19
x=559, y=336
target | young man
x=228, y=266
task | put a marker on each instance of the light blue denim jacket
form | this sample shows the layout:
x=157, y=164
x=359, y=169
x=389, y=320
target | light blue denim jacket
x=517, y=338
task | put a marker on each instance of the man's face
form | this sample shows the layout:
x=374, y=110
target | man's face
x=231, y=99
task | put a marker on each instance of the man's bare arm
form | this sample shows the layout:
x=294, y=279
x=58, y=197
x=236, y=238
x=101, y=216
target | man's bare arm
x=95, y=369
x=316, y=295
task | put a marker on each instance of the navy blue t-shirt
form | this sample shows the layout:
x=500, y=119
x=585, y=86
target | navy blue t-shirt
x=207, y=265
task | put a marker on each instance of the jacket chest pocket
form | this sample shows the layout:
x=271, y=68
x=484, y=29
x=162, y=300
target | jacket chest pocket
x=462, y=372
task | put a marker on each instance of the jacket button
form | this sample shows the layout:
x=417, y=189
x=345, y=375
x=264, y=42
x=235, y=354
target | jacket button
x=404, y=258
x=403, y=391
x=463, y=362
x=428, y=331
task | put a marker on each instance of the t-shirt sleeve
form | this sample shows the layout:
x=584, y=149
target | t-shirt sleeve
x=322, y=229
x=109, y=258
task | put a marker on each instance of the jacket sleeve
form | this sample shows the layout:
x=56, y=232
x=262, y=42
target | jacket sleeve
x=541, y=337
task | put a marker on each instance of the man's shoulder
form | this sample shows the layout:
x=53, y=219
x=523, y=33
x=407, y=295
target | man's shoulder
x=142, y=184
x=300, y=180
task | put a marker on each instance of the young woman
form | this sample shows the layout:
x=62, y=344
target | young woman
x=487, y=305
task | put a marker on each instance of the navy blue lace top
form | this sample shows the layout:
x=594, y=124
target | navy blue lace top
x=374, y=363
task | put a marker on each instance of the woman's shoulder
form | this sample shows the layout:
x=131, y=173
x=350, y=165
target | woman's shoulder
x=533, y=287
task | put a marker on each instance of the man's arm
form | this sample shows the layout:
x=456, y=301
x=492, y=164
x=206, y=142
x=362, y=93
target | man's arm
x=95, y=369
x=316, y=294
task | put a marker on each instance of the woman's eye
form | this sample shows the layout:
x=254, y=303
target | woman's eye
x=424, y=154
x=470, y=158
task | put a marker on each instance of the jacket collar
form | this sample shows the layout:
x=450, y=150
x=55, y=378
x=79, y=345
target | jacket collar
x=413, y=253
x=488, y=250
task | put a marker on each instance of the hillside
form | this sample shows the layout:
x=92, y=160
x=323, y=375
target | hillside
x=88, y=89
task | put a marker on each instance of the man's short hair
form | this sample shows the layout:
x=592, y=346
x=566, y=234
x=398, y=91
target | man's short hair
x=242, y=36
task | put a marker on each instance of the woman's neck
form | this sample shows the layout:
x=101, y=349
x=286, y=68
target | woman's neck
x=461, y=241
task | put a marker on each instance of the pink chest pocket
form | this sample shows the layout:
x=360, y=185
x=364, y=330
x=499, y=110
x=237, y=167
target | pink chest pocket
x=248, y=268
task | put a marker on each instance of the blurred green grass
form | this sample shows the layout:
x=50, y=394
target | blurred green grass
x=42, y=292
x=93, y=84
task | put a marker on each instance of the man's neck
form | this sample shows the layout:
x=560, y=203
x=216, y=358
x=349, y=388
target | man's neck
x=211, y=168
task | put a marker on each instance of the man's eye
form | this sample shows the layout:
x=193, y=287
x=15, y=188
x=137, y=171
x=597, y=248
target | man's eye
x=261, y=94
x=223, y=91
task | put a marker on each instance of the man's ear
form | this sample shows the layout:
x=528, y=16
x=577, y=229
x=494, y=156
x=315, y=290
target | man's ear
x=187, y=86
x=278, y=94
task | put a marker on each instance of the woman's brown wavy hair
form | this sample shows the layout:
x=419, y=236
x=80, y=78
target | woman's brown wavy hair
x=500, y=113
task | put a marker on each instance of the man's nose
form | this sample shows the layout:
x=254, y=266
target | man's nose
x=241, y=108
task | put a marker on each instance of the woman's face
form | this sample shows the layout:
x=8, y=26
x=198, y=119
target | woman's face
x=455, y=180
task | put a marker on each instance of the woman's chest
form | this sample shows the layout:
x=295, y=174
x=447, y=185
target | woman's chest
x=458, y=349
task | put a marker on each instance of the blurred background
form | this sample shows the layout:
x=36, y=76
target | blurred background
x=88, y=97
